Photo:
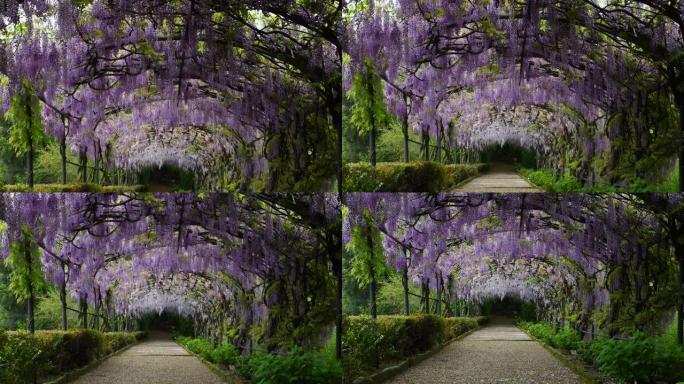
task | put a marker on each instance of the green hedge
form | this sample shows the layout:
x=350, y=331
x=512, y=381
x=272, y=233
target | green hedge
x=72, y=187
x=546, y=180
x=640, y=358
x=416, y=176
x=297, y=366
x=370, y=345
x=60, y=351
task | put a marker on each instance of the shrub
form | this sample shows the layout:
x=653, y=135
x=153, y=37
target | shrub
x=415, y=176
x=298, y=366
x=225, y=354
x=201, y=346
x=642, y=358
x=60, y=351
x=371, y=344
x=567, y=339
x=545, y=179
x=541, y=331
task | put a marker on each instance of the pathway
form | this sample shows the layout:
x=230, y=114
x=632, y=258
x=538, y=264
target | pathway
x=156, y=360
x=500, y=178
x=498, y=353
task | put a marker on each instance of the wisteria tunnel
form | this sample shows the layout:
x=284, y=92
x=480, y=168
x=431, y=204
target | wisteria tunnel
x=595, y=266
x=251, y=272
x=592, y=88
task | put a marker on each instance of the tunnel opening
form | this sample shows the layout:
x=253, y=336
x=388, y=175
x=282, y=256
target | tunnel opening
x=509, y=307
x=167, y=178
x=510, y=154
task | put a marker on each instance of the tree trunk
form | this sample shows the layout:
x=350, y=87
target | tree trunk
x=371, y=144
x=373, y=282
x=84, y=167
x=84, y=312
x=63, y=299
x=31, y=298
x=426, y=146
x=29, y=162
x=438, y=302
x=63, y=158
x=680, y=102
x=96, y=171
x=404, y=130
x=404, y=283
x=426, y=297
x=679, y=251
x=438, y=150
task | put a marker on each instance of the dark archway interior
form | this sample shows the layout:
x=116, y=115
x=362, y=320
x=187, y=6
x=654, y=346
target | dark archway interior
x=167, y=179
x=509, y=307
x=510, y=153
x=167, y=322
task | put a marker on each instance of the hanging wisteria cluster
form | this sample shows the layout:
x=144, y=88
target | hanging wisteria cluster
x=249, y=83
x=587, y=254
x=214, y=258
x=456, y=68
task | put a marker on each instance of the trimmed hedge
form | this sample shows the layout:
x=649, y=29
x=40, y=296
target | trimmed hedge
x=370, y=345
x=297, y=366
x=415, y=176
x=72, y=187
x=60, y=351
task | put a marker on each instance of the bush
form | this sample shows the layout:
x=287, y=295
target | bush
x=298, y=366
x=416, y=176
x=371, y=344
x=545, y=179
x=541, y=331
x=642, y=358
x=60, y=351
x=567, y=339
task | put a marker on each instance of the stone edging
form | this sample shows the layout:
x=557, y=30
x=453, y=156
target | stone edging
x=586, y=376
x=393, y=370
x=228, y=377
x=76, y=373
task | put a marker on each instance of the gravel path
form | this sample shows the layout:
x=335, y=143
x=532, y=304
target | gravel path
x=499, y=178
x=499, y=353
x=158, y=360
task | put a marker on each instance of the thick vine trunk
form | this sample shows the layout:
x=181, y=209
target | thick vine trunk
x=31, y=298
x=679, y=250
x=84, y=167
x=404, y=283
x=426, y=146
x=63, y=300
x=63, y=158
x=404, y=130
x=29, y=161
x=371, y=144
x=84, y=313
x=680, y=102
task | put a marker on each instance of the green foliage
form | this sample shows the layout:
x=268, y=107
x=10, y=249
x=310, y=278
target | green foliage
x=372, y=344
x=49, y=312
x=545, y=179
x=391, y=297
x=542, y=331
x=25, y=116
x=60, y=351
x=367, y=263
x=298, y=366
x=25, y=271
x=415, y=176
x=49, y=166
x=641, y=358
x=368, y=101
x=567, y=339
